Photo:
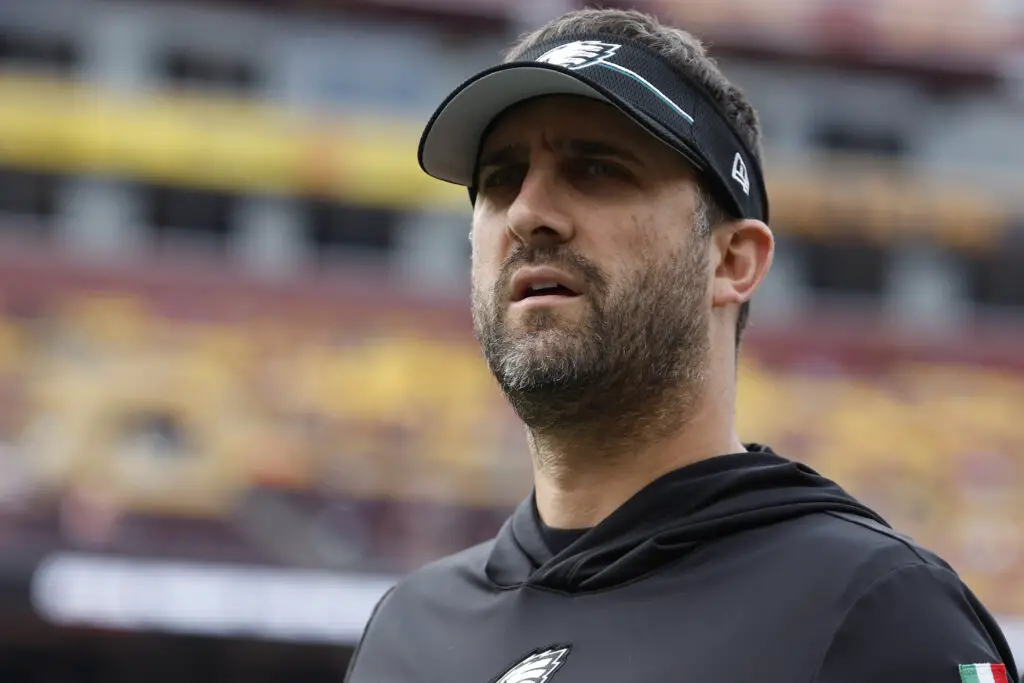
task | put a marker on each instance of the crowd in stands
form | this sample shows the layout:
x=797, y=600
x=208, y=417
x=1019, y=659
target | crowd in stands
x=106, y=398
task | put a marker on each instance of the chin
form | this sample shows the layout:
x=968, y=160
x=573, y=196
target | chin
x=541, y=334
x=543, y=321
x=551, y=347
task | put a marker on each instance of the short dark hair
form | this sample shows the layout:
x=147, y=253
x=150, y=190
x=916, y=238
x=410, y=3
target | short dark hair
x=687, y=55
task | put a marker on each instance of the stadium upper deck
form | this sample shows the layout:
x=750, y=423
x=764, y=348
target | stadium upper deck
x=126, y=127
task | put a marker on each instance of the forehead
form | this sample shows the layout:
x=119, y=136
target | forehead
x=562, y=115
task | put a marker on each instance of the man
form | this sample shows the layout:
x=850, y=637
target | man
x=619, y=233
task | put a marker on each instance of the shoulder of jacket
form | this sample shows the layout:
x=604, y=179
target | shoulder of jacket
x=464, y=566
x=872, y=534
x=876, y=549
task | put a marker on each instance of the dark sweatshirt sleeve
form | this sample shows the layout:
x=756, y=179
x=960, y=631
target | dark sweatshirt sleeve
x=915, y=623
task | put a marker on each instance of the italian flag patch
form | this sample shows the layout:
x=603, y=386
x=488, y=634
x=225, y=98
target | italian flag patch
x=983, y=673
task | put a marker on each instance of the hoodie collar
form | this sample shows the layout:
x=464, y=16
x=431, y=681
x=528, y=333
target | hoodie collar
x=698, y=503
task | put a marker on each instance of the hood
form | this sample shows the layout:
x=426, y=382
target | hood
x=699, y=503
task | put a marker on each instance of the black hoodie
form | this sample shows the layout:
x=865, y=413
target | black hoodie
x=743, y=567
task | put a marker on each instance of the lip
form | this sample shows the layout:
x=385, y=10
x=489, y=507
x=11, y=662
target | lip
x=530, y=276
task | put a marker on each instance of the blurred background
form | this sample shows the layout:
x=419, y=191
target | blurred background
x=239, y=394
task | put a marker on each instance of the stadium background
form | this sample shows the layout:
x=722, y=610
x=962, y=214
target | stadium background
x=239, y=393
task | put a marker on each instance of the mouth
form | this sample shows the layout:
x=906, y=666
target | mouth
x=543, y=284
x=546, y=289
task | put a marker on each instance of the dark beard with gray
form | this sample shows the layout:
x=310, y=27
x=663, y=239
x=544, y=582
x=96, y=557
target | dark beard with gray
x=632, y=368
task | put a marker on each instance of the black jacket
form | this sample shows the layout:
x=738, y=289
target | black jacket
x=742, y=568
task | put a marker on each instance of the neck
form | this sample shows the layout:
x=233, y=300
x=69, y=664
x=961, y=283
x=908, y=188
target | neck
x=578, y=484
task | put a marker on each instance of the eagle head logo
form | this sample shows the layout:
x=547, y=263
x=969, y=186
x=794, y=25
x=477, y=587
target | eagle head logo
x=537, y=667
x=579, y=54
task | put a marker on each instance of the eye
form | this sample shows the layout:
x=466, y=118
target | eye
x=503, y=177
x=599, y=169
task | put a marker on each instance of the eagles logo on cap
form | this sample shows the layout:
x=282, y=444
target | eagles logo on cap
x=579, y=54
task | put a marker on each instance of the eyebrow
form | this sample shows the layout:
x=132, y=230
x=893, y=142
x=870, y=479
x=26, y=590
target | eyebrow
x=517, y=153
x=598, y=148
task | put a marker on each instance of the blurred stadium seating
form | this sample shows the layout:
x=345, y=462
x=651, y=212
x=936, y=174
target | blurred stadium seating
x=239, y=392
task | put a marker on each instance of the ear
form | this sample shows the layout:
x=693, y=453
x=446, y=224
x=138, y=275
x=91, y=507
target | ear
x=743, y=252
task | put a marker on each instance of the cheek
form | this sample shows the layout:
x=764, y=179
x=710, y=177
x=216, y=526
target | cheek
x=647, y=243
x=641, y=243
x=486, y=255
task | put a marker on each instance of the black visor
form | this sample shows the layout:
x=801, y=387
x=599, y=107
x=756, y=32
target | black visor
x=632, y=78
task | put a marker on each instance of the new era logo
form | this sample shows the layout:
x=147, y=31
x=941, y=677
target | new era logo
x=739, y=173
x=579, y=54
x=538, y=667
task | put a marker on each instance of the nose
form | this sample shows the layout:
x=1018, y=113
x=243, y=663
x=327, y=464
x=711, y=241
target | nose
x=539, y=215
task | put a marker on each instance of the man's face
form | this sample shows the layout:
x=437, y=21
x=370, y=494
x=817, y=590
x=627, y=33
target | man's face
x=573, y=194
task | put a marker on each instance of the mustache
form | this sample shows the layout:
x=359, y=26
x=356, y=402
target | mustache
x=556, y=257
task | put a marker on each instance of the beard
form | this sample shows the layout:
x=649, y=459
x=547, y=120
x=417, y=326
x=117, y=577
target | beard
x=632, y=368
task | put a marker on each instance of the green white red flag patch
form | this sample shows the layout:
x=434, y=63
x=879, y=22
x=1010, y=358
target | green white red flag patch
x=983, y=673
